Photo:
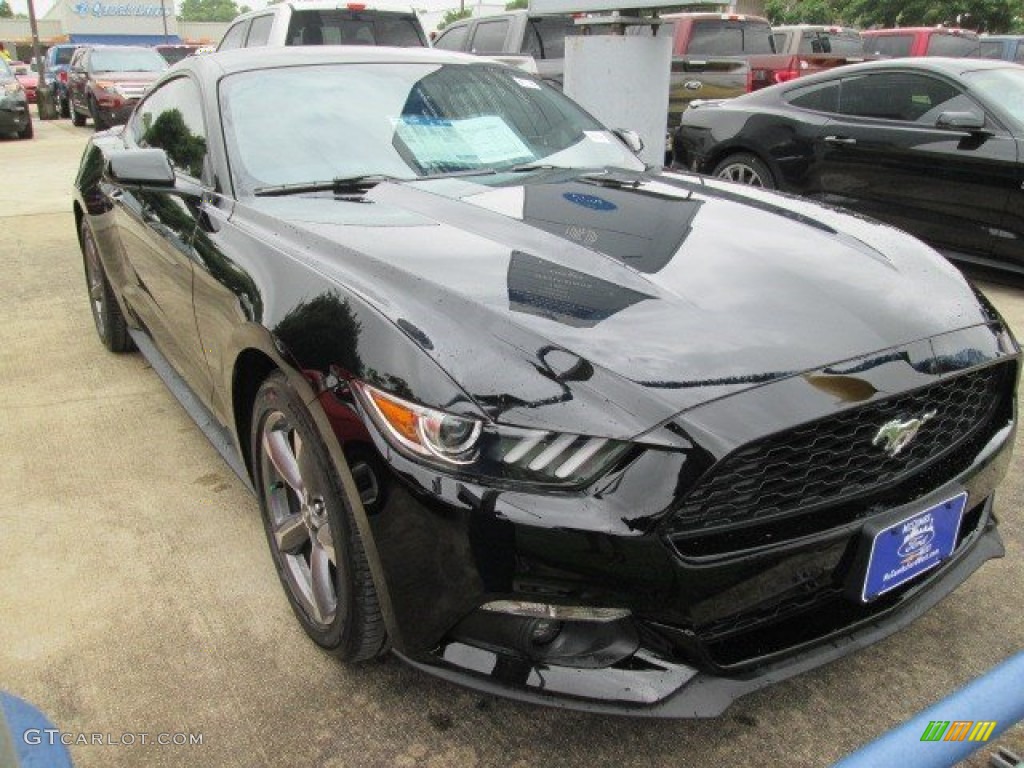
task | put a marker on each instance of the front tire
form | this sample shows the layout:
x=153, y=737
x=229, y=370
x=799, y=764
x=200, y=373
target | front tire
x=313, y=537
x=745, y=168
x=106, y=312
x=98, y=122
x=77, y=118
x=27, y=132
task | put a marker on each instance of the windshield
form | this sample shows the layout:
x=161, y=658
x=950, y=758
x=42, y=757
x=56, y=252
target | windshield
x=412, y=120
x=341, y=27
x=1001, y=87
x=174, y=54
x=952, y=45
x=126, y=60
x=730, y=38
x=64, y=55
x=841, y=43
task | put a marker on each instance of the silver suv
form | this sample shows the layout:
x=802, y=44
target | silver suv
x=314, y=22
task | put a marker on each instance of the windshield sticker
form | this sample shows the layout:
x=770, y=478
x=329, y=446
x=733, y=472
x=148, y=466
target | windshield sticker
x=527, y=83
x=478, y=141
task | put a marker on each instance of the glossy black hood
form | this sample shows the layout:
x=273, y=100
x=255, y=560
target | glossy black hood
x=614, y=302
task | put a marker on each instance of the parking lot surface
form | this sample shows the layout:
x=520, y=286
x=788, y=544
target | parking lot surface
x=137, y=595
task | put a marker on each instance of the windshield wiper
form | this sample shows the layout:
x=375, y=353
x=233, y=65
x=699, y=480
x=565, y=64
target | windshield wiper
x=359, y=183
x=338, y=185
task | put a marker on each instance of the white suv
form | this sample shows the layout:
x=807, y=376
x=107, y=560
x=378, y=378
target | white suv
x=314, y=22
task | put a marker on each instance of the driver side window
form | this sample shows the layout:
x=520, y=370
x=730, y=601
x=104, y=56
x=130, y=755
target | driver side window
x=171, y=119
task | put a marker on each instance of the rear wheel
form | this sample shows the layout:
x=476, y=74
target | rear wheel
x=26, y=132
x=744, y=168
x=313, y=537
x=77, y=118
x=64, y=107
x=106, y=313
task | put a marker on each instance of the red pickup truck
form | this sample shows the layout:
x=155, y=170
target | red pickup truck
x=749, y=38
x=921, y=41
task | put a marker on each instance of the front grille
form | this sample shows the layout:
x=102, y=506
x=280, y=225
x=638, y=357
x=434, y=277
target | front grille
x=830, y=460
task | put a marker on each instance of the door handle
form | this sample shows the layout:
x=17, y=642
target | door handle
x=839, y=140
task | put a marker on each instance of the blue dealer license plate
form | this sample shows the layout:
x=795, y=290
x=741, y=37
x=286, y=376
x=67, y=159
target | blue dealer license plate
x=912, y=546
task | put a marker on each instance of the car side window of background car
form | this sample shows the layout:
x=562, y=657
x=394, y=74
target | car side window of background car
x=234, y=37
x=171, y=118
x=453, y=39
x=259, y=32
x=820, y=97
x=894, y=95
x=490, y=37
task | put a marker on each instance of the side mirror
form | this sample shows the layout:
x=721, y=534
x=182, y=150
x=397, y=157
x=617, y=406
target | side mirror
x=960, y=121
x=631, y=139
x=140, y=168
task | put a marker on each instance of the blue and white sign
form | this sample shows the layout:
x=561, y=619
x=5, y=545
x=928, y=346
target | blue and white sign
x=101, y=10
x=912, y=546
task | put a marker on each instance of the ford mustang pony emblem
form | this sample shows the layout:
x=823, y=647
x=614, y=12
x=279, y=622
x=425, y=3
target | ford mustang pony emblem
x=896, y=435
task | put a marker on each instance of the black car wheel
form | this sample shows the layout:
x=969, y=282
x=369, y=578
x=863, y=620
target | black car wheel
x=97, y=119
x=744, y=168
x=27, y=132
x=313, y=537
x=106, y=313
x=77, y=118
x=64, y=107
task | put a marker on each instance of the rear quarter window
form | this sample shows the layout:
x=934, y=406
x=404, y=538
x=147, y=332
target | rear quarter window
x=820, y=97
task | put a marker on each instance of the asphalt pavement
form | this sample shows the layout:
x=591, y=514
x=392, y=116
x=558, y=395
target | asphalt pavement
x=137, y=595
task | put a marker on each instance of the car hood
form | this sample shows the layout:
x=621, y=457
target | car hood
x=633, y=297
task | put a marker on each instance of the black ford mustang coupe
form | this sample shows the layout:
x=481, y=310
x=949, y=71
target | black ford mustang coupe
x=934, y=146
x=536, y=418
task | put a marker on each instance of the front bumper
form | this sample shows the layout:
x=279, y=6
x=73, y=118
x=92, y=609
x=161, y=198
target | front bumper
x=715, y=615
x=14, y=115
x=667, y=689
x=115, y=111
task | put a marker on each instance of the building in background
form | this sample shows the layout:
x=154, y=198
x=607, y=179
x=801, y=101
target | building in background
x=112, y=22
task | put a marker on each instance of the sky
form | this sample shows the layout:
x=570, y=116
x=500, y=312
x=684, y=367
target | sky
x=42, y=6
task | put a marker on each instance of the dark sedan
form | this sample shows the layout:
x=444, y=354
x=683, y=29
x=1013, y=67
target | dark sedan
x=535, y=418
x=934, y=146
x=14, y=114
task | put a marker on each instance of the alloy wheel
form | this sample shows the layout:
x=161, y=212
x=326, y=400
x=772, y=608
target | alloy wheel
x=302, y=537
x=741, y=173
x=95, y=284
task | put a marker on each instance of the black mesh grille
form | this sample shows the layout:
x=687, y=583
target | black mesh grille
x=826, y=461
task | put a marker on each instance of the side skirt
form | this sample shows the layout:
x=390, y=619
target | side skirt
x=218, y=436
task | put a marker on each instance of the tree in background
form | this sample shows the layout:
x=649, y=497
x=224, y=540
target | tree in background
x=983, y=15
x=208, y=10
x=516, y=5
x=5, y=10
x=453, y=15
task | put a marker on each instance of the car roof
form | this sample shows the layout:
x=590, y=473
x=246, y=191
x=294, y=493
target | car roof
x=249, y=59
x=328, y=5
x=813, y=28
x=898, y=30
x=942, y=65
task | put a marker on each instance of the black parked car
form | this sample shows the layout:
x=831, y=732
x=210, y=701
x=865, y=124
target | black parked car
x=14, y=115
x=934, y=146
x=536, y=419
